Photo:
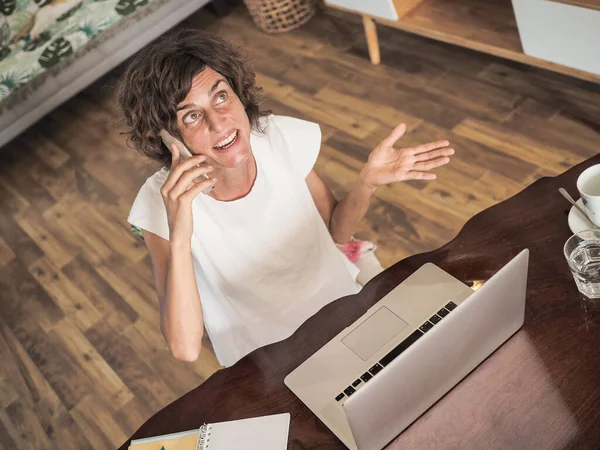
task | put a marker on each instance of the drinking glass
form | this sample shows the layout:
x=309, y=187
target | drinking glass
x=582, y=251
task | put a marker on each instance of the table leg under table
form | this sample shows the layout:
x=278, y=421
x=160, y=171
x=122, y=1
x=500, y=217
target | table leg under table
x=372, y=41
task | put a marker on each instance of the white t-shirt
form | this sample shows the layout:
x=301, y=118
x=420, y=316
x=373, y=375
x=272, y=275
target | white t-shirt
x=264, y=263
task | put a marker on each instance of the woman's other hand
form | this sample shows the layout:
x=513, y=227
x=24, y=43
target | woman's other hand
x=387, y=164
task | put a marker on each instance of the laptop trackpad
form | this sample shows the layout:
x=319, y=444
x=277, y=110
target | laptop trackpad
x=374, y=333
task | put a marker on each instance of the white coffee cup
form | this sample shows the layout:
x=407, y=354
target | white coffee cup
x=588, y=185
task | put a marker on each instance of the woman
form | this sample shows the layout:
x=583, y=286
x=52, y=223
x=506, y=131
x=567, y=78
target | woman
x=257, y=256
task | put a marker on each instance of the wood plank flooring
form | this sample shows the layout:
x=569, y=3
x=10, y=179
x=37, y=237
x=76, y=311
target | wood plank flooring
x=83, y=363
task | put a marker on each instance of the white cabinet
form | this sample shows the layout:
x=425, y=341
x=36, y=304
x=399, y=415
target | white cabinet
x=560, y=33
x=377, y=8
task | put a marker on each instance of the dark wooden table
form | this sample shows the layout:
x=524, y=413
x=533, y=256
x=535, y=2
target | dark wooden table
x=540, y=390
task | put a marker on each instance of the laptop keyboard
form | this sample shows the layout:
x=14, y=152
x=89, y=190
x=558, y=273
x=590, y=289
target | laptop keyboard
x=349, y=391
x=397, y=351
x=366, y=376
x=435, y=319
x=410, y=340
x=426, y=327
x=375, y=369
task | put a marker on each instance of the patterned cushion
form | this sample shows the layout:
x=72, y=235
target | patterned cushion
x=35, y=35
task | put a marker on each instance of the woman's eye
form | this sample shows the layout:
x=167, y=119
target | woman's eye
x=190, y=118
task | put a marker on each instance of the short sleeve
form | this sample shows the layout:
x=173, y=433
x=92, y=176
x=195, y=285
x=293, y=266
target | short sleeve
x=148, y=211
x=303, y=142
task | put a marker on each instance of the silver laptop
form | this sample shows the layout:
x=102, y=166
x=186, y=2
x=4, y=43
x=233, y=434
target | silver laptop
x=381, y=373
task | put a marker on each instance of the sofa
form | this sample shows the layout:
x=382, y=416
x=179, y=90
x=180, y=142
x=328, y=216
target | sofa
x=52, y=49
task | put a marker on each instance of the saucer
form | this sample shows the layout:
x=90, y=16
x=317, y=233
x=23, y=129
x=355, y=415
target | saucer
x=577, y=222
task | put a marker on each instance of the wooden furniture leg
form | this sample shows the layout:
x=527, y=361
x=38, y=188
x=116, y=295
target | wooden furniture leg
x=372, y=41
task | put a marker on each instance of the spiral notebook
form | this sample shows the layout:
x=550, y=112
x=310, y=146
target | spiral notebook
x=259, y=433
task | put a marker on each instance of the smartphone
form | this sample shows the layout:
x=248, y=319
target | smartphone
x=184, y=152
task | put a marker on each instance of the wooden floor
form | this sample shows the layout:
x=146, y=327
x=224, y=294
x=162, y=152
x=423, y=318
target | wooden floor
x=82, y=361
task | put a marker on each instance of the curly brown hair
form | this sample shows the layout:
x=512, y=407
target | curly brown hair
x=160, y=77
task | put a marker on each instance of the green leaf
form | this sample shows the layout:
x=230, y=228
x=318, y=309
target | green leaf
x=126, y=7
x=4, y=33
x=55, y=52
x=23, y=4
x=41, y=3
x=69, y=13
x=94, y=26
x=4, y=52
x=7, y=7
x=13, y=79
